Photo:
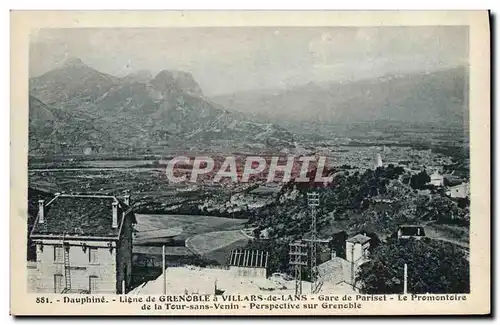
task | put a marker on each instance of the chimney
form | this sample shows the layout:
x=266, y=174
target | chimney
x=126, y=199
x=115, y=215
x=41, y=211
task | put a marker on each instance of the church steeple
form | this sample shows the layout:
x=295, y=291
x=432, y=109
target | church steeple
x=378, y=161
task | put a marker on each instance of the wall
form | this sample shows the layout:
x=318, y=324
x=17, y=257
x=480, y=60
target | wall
x=124, y=256
x=80, y=268
x=437, y=180
x=357, y=254
x=336, y=270
x=459, y=191
x=248, y=271
x=32, y=275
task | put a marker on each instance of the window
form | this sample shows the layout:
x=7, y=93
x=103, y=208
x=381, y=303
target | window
x=365, y=252
x=58, y=283
x=92, y=255
x=92, y=284
x=58, y=254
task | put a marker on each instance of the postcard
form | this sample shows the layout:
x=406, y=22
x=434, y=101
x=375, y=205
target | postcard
x=250, y=163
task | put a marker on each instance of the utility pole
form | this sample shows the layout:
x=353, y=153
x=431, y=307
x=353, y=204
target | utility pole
x=313, y=202
x=405, y=281
x=164, y=270
x=297, y=258
x=352, y=266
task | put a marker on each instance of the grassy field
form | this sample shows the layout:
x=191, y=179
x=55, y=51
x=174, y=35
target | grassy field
x=205, y=243
x=183, y=226
x=221, y=255
x=450, y=233
x=116, y=181
x=150, y=190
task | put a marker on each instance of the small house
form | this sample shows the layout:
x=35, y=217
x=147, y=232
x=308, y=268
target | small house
x=411, y=231
x=357, y=248
x=460, y=191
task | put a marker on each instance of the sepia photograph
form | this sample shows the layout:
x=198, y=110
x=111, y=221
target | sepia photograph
x=245, y=162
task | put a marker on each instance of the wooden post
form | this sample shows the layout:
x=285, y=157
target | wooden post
x=352, y=265
x=164, y=271
x=245, y=258
x=405, y=283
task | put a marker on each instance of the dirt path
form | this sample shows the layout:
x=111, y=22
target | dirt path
x=452, y=234
x=203, y=244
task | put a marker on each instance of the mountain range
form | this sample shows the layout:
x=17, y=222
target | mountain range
x=76, y=109
x=428, y=97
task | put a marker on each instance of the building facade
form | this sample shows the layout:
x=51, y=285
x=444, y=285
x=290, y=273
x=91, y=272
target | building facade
x=83, y=245
x=357, y=249
x=460, y=191
x=436, y=179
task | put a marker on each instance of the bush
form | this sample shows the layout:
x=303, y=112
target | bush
x=433, y=267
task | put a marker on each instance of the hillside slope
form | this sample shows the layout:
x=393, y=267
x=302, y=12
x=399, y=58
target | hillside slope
x=439, y=96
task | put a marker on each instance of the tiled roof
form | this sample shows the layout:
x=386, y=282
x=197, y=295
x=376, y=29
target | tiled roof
x=359, y=239
x=33, y=196
x=80, y=215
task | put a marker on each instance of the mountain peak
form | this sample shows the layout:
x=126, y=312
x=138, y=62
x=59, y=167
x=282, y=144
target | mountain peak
x=74, y=62
x=167, y=79
x=71, y=80
x=141, y=76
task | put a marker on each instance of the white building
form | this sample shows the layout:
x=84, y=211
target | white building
x=378, y=161
x=356, y=249
x=84, y=245
x=459, y=191
x=437, y=179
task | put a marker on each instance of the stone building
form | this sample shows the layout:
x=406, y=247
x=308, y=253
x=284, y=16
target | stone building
x=83, y=244
x=340, y=270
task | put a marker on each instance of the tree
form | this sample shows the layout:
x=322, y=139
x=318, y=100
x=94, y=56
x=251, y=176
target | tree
x=433, y=267
x=278, y=253
x=419, y=180
x=442, y=210
x=256, y=232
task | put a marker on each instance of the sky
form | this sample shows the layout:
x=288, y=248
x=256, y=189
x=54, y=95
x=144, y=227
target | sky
x=226, y=60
